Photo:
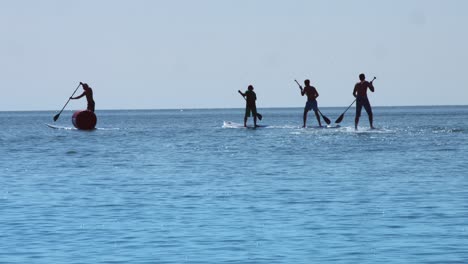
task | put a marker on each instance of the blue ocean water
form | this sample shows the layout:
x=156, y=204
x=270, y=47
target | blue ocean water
x=175, y=186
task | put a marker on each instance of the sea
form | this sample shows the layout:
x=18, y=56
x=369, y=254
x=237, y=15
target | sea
x=194, y=186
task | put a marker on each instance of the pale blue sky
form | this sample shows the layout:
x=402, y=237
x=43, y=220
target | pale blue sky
x=198, y=53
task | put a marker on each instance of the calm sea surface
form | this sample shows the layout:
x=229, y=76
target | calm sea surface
x=172, y=186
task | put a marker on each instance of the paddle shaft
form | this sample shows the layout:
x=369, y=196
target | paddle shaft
x=57, y=115
x=349, y=107
x=300, y=87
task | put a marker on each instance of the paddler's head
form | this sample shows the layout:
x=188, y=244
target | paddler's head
x=250, y=88
x=362, y=77
x=307, y=82
x=85, y=86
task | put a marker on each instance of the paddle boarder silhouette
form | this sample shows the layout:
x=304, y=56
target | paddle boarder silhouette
x=360, y=93
x=250, y=105
x=311, y=103
x=88, y=92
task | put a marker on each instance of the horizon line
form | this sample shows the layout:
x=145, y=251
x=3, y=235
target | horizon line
x=217, y=108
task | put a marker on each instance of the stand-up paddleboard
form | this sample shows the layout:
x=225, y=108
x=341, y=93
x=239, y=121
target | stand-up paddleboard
x=229, y=124
x=324, y=127
x=60, y=127
x=85, y=120
x=367, y=130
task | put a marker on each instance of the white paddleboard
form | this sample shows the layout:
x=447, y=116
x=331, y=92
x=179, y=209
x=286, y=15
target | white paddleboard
x=324, y=127
x=60, y=127
x=229, y=124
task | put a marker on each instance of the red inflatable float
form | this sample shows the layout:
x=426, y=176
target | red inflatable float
x=84, y=119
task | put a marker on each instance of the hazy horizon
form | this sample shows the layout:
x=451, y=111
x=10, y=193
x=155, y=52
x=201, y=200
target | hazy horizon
x=234, y=108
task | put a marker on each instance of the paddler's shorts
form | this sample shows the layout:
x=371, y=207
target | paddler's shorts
x=311, y=105
x=249, y=109
x=360, y=102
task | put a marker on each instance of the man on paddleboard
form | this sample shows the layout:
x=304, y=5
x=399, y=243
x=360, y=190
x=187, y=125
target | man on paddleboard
x=311, y=103
x=360, y=93
x=250, y=106
x=88, y=92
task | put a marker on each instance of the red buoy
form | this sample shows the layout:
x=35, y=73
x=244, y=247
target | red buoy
x=84, y=119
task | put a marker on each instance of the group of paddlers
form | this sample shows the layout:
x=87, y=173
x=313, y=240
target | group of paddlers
x=359, y=92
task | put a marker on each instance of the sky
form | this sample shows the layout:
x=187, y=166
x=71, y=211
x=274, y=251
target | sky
x=178, y=54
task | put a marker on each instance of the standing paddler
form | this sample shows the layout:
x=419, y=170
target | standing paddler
x=250, y=106
x=360, y=93
x=311, y=103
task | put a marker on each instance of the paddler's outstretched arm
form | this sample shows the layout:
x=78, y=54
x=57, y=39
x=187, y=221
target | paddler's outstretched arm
x=243, y=94
x=79, y=96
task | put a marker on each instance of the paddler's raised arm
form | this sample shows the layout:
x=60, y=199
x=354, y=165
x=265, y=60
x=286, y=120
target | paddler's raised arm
x=371, y=86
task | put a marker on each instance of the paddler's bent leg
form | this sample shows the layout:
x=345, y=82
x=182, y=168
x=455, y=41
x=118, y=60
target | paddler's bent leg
x=254, y=113
x=358, y=113
x=247, y=114
x=305, y=117
x=368, y=108
x=318, y=118
x=313, y=105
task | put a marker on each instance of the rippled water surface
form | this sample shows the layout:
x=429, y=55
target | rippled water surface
x=173, y=186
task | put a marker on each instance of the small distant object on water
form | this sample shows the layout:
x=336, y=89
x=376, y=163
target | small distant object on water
x=84, y=119
x=250, y=108
x=60, y=127
x=323, y=127
x=229, y=124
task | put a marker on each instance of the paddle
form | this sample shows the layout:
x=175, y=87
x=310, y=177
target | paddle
x=57, y=115
x=259, y=116
x=323, y=116
x=340, y=118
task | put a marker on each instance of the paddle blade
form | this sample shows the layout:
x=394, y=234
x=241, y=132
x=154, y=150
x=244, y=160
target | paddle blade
x=259, y=116
x=326, y=119
x=56, y=117
x=339, y=119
